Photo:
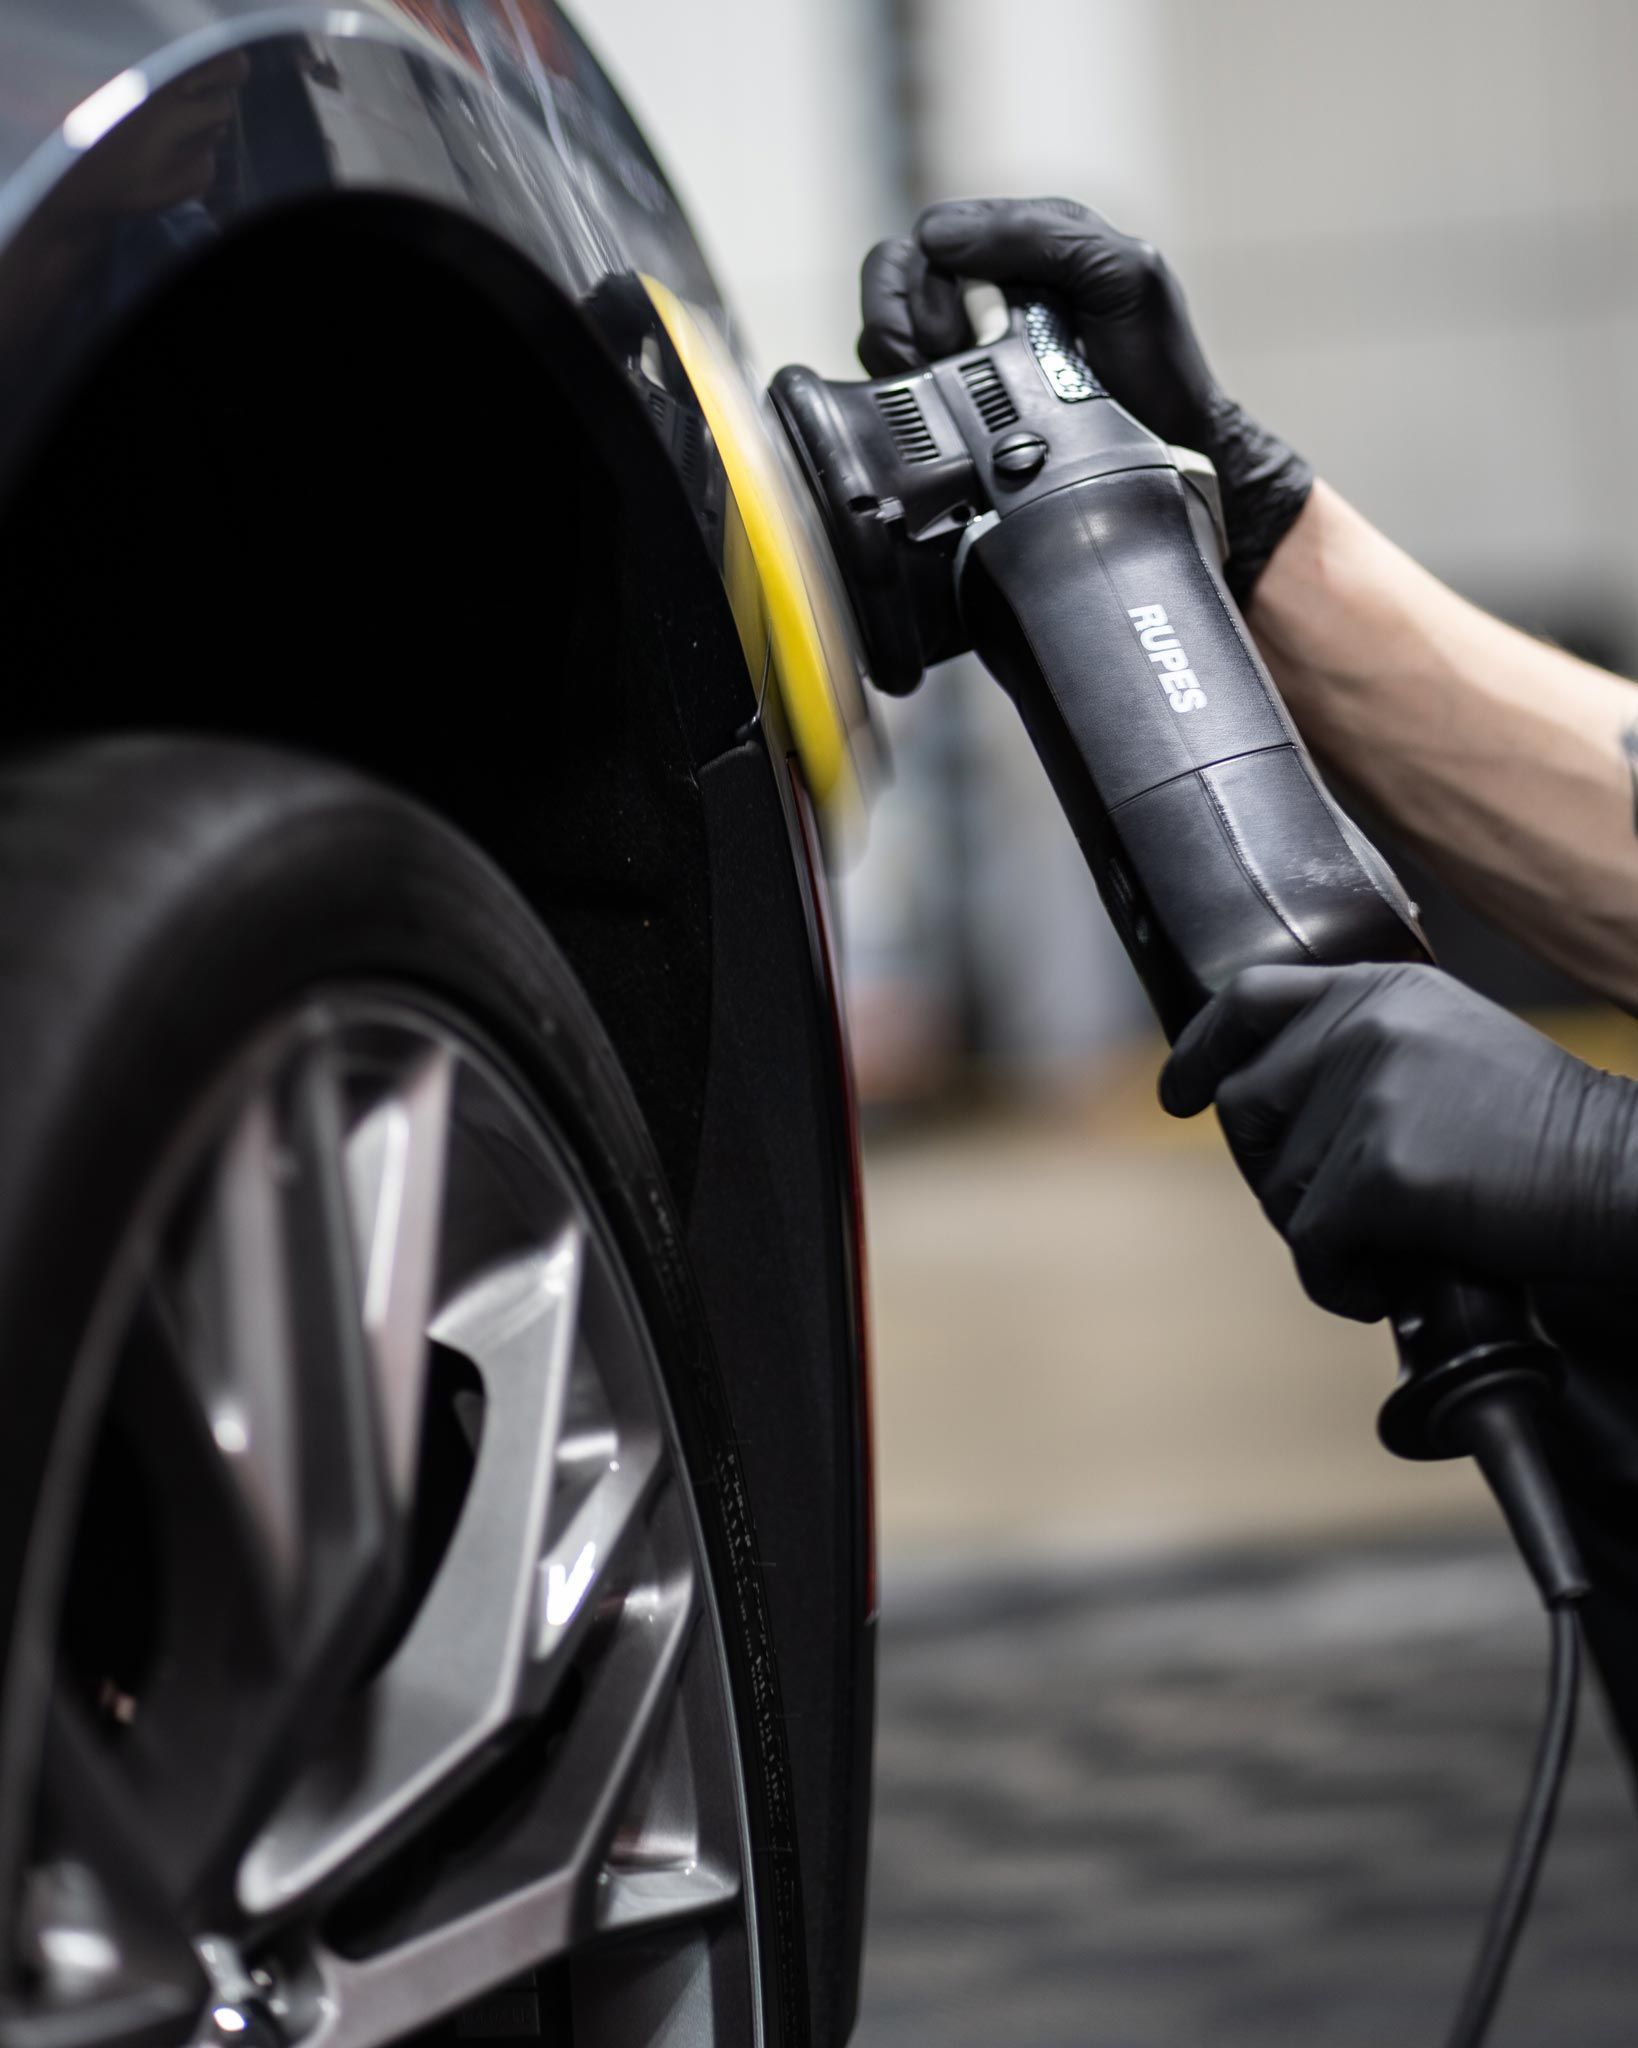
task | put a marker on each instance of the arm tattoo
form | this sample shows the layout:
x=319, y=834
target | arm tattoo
x=1629, y=748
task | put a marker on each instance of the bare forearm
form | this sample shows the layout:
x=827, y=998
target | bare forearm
x=1500, y=758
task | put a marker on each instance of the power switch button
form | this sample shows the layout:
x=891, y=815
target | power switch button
x=1019, y=456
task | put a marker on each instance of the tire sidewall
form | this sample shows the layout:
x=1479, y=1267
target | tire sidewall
x=161, y=904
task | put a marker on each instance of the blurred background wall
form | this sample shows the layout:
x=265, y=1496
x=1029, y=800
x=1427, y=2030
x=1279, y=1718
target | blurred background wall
x=1410, y=235
x=1392, y=220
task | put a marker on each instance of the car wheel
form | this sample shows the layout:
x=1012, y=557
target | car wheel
x=385, y=1648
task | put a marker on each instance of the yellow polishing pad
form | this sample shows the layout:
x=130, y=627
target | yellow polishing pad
x=800, y=610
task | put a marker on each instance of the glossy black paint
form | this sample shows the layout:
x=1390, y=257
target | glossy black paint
x=332, y=412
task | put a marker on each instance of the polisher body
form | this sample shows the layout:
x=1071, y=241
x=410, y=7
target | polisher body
x=1002, y=501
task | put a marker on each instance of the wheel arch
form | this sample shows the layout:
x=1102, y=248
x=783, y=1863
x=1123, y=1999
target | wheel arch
x=361, y=480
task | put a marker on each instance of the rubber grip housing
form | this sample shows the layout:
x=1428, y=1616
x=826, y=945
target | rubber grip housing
x=1213, y=842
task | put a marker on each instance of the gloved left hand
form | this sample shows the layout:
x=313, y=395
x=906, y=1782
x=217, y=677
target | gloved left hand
x=1133, y=323
x=1391, y=1121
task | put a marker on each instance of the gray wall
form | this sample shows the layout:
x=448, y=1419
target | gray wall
x=768, y=117
x=1409, y=230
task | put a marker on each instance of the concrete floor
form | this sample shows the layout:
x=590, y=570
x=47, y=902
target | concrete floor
x=1252, y=1804
x=1088, y=1341
x=1202, y=1719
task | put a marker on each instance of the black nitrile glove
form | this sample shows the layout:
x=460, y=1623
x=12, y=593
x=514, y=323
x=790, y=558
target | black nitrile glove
x=1134, y=326
x=1390, y=1121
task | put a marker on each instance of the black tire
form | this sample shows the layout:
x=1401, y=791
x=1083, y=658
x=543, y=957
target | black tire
x=160, y=900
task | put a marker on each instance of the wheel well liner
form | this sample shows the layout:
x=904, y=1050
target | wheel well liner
x=360, y=480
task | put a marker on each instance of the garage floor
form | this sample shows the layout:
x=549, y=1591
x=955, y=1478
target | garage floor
x=1201, y=1719
x=1088, y=1340
x=1243, y=1807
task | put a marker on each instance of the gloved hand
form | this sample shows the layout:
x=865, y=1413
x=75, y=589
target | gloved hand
x=1391, y=1121
x=1133, y=324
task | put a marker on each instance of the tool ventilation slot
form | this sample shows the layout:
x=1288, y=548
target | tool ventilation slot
x=680, y=430
x=989, y=394
x=689, y=451
x=911, y=438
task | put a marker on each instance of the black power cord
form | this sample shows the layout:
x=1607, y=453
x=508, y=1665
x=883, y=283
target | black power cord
x=1535, y=1824
x=1492, y=1419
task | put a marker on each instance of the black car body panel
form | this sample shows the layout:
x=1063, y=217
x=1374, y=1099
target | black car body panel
x=333, y=411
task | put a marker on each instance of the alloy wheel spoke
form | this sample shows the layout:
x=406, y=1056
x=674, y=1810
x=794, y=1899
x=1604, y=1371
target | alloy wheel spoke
x=163, y=1418
x=236, y=1342
x=351, y=1526
x=629, y=1689
x=607, y=1462
x=675, y=1854
x=280, y=1537
x=180, y=1599
x=480, y=1928
x=453, y=1682
x=395, y=1183
x=606, y=1465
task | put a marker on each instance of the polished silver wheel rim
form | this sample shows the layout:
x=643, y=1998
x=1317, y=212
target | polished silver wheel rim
x=388, y=1683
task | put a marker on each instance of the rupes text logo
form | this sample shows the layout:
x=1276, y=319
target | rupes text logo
x=1160, y=643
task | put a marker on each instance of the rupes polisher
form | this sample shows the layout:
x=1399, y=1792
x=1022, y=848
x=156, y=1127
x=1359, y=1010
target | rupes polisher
x=1001, y=501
